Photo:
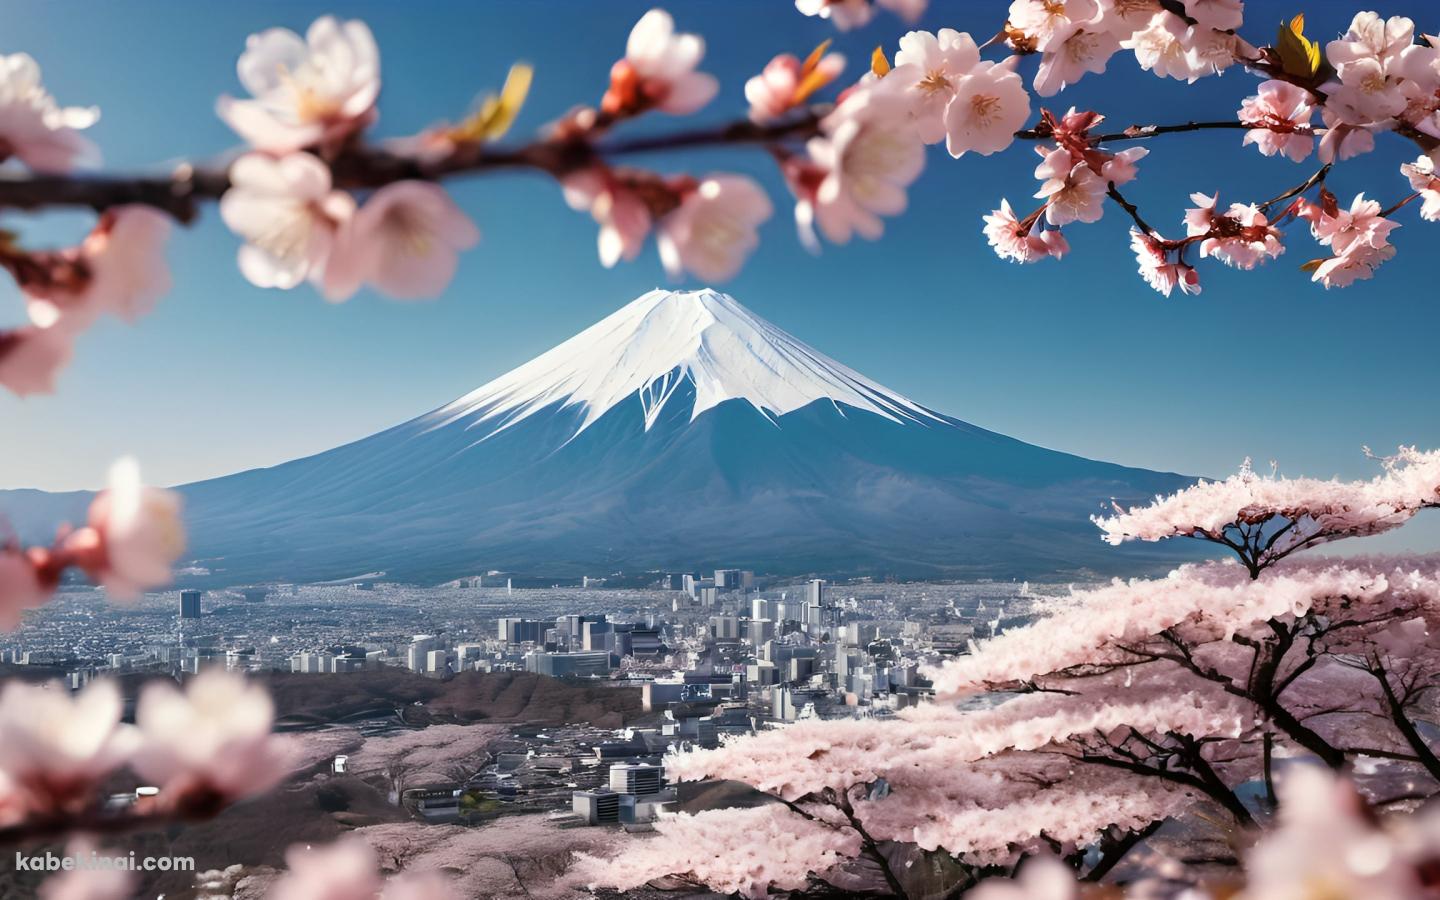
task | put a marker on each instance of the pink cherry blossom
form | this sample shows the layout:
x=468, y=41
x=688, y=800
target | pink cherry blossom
x=405, y=240
x=123, y=260
x=1419, y=66
x=746, y=851
x=133, y=536
x=308, y=92
x=32, y=357
x=1172, y=49
x=714, y=229
x=1121, y=169
x=658, y=71
x=1423, y=180
x=1220, y=15
x=908, y=10
x=1328, y=844
x=785, y=83
x=1372, y=39
x=859, y=166
x=1340, y=141
x=59, y=748
x=622, y=214
x=989, y=106
x=344, y=870
x=1158, y=270
x=210, y=744
x=1347, y=268
x=1280, y=115
x=1084, y=50
x=1050, y=22
x=34, y=128
x=1071, y=190
x=845, y=14
x=1016, y=241
x=929, y=67
x=1241, y=237
x=1360, y=228
x=1041, y=878
x=288, y=214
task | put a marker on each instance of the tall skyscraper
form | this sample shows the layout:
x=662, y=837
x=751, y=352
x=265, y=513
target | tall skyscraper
x=815, y=592
x=189, y=604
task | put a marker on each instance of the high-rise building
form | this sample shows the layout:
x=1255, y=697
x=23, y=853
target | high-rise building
x=415, y=654
x=759, y=608
x=815, y=592
x=519, y=631
x=725, y=628
x=189, y=604
x=727, y=579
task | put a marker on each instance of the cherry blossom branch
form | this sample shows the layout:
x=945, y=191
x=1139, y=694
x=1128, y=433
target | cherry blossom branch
x=180, y=194
x=1130, y=209
x=1138, y=132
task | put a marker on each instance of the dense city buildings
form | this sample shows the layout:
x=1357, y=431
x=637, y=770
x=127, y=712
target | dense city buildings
x=711, y=655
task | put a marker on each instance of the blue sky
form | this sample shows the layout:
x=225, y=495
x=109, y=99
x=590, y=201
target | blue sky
x=1080, y=355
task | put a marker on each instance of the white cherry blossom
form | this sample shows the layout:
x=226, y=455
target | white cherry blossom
x=989, y=106
x=34, y=128
x=288, y=214
x=306, y=92
x=929, y=67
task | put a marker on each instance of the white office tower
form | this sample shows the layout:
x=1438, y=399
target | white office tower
x=759, y=608
x=415, y=654
x=435, y=661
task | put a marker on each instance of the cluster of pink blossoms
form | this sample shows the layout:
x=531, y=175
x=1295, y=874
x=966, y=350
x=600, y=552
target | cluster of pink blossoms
x=1321, y=510
x=132, y=536
x=118, y=269
x=202, y=748
x=308, y=98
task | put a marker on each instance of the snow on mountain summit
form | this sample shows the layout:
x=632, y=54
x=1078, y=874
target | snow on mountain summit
x=656, y=343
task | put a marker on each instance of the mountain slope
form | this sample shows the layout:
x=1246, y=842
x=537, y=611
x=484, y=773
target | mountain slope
x=681, y=432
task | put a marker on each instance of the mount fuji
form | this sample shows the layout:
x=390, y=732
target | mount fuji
x=680, y=432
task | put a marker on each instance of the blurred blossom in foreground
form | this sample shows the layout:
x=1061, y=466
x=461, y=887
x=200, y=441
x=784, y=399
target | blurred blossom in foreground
x=405, y=240
x=715, y=228
x=306, y=92
x=288, y=215
x=658, y=71
x=58, y=748
x=133, y=536
x=210, y=745
x=34, y=128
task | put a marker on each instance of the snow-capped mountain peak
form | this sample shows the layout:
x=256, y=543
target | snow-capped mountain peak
x=653, y=345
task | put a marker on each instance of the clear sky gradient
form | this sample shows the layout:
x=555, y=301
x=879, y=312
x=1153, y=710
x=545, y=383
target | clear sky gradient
x=1079, y=355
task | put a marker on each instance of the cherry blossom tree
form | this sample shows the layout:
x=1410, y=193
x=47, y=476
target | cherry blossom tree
x=1124, y=706
x=317, y=199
